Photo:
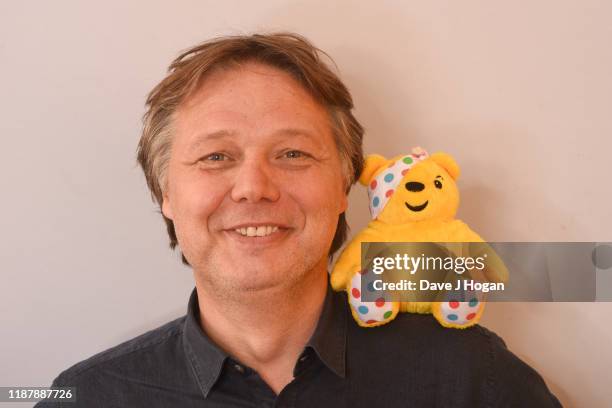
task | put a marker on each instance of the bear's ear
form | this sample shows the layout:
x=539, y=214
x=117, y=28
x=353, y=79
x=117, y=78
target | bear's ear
x=373, y=163
x=447, y=163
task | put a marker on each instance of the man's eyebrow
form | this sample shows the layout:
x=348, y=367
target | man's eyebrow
x=219, y=134
x=294, y=132
x=226, y=133
x=299, y=132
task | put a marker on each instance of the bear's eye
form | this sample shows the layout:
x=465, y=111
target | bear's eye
x=438, y=184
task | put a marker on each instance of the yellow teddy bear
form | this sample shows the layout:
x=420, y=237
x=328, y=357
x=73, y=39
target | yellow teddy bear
x=412, y=198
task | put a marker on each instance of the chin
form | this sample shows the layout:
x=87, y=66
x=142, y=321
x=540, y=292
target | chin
x=254, y=282
x=261, y=278
x=246, y=273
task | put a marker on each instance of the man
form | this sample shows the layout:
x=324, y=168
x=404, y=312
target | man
x=250, y=148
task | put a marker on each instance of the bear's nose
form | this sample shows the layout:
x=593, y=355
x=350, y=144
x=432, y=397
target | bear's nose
x=414, y=186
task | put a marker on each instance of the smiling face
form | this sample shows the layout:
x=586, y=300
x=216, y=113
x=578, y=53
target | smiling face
x=426, y=192
x=255, y=183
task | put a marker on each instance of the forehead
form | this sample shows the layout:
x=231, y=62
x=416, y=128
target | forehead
x=251, y=97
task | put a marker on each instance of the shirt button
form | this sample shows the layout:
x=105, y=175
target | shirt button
x=239, y=368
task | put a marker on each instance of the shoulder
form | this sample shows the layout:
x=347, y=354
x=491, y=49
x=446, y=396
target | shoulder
x=415, y=337
x=140, y=353
x=475, y=359
x=423, y=328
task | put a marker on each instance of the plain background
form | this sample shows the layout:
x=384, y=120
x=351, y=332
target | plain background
x=519, y=92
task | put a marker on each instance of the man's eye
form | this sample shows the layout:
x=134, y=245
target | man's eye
x=215, y=157
x=295, y=154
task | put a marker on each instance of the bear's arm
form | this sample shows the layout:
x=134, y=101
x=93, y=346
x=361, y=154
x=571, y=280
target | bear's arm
x=461, y=232
x=349, y=261
x=496, y=270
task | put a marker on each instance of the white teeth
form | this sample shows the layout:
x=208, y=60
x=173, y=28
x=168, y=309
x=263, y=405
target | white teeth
x=260, y=231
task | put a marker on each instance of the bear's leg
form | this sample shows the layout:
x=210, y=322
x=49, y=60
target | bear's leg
x=369, y=314
x=459, y=310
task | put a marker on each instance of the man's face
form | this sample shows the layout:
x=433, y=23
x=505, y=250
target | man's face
x=253, y=153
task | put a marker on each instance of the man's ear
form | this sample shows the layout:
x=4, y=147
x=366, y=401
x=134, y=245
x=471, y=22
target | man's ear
x=166, y=207
x=343, y=203
x=447, y=163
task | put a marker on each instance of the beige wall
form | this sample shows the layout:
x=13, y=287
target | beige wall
x=520, y=94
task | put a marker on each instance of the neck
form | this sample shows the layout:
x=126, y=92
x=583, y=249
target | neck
x=265, y=329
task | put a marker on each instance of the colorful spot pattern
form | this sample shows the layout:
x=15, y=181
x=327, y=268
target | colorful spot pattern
x=460, y=312
x=368, y=312
x=390, y=178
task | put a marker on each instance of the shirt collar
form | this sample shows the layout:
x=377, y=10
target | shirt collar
x=328, y=340
x=205, y=357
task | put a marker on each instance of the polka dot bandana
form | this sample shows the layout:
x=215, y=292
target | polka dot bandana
x=383, y=186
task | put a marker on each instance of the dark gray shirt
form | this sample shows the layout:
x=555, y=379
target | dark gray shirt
x=410, y=362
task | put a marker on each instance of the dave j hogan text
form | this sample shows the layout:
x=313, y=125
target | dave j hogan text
x=424, y=284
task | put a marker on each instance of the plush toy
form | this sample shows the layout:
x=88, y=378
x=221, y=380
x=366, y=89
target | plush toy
x=412, y=198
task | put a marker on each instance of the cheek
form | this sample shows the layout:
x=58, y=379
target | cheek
x=198, y=199
x=444, y=201
x=321, y=195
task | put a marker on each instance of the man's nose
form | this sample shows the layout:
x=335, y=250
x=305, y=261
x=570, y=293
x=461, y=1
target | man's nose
x=255, y=181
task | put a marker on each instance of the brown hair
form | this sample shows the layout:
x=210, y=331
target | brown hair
x=288, y=52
